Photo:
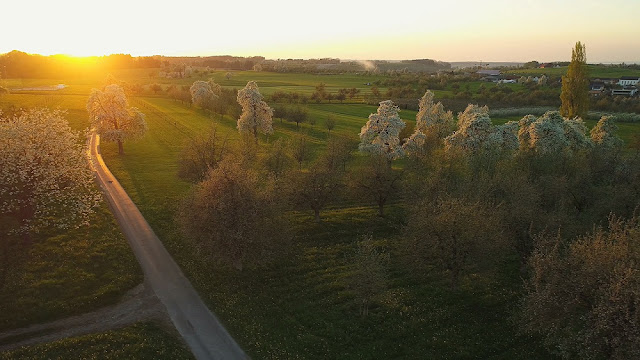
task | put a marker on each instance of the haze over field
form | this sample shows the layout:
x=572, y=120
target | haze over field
x=466, y=30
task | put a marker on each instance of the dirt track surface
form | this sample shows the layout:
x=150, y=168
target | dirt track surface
x=139, y=304
x=201, y=330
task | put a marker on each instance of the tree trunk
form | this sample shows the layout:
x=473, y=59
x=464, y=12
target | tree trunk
x=381, y=209
x=120, y=148
x=316, y=212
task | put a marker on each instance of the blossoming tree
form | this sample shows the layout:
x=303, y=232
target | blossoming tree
x=112, y=117
x=45, y=180
x=381, y=134
x=202, y=94
x=432, y=121
x=256, y=114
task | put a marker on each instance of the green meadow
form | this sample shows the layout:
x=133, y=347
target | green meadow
x=595, y=71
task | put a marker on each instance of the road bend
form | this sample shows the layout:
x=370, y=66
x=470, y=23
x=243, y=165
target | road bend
x=201, y=330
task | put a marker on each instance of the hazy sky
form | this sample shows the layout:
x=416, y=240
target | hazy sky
x=448, y=30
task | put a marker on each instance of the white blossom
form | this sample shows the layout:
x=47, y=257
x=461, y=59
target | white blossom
x=381, y=134
x=112, y=117
x=432, y=117
x=474, y=127
x=256, y=114
x=202, y=94
x=45, y=180
x=551, y=133
x=604, y=134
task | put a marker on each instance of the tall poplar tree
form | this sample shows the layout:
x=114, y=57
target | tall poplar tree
x=575, y=85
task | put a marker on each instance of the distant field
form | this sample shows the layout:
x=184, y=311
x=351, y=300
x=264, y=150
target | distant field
x=595, y=71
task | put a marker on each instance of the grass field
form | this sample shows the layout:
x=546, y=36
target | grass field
x=595, y=71
x=301, y=307
x=140, y=341
x=67, y=273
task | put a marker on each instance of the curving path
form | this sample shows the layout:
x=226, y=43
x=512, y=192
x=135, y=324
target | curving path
x=201, y=330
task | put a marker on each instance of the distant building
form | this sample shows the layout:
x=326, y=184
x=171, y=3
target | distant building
x=628, y=81
x=608, y=81
x=625, y=91
x=596, y=88
x=489, y=75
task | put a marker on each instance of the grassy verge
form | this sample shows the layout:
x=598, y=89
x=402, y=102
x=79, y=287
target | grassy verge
x=140, y=341
x=69, y=273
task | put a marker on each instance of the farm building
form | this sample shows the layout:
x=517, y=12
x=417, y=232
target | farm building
x=628, y=81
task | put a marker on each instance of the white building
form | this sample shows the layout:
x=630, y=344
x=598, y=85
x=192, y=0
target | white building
x=628, y=81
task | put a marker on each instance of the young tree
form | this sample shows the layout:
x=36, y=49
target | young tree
x=112, y=117
x=575, y=85
x=380, y=135
x=256, y=114
x=300, y=149
x=298, y=115
x=45, y=180
x=330, y=123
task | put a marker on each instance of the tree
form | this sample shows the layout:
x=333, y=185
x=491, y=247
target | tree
x=370, y=276
x=278, y=159
x=256, y=114
x=454, y=234
x=604, y=135
x=575, y=85
x=155, y=88
x=200, y=155
x=111, y=116
x=202, y=94
x=353, y=92
x=233, y=216
x=316, y=187
x=298, y=115
x=380, y=135
x=342, y=95
x=45, y=180
x=584, y=296
x=432, y=125
x=330, y=123
x=300, y=149
x=377, y=180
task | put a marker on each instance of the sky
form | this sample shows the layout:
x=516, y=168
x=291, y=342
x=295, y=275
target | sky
x=446, y=30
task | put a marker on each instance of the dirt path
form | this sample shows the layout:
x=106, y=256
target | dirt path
x=198, y=326
x=138, y=304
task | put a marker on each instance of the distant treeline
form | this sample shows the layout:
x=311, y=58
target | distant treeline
x=216, y=62
x=17, y=64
